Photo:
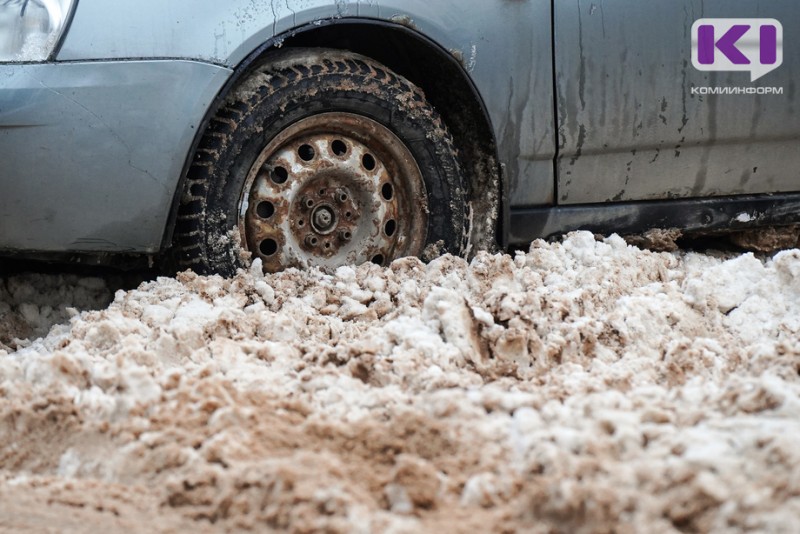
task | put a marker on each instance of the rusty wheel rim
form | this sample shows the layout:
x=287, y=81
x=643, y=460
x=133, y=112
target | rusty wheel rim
x=331, y=190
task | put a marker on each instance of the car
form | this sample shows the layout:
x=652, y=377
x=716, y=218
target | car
x=305, y=133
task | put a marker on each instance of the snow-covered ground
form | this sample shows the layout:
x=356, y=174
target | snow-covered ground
x=586, y=386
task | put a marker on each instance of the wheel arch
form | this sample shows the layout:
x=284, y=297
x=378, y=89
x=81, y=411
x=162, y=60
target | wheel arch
x=411, y=54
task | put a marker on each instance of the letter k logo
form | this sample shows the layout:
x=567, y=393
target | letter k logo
x=726, y=44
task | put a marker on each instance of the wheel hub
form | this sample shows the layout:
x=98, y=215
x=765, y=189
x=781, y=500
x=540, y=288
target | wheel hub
x=330, y=190
x=323, y=219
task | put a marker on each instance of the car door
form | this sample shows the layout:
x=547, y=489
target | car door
x=637, y=120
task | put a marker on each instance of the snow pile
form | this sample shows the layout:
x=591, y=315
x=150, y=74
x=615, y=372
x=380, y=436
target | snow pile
x=586, y=386
x=31, y=303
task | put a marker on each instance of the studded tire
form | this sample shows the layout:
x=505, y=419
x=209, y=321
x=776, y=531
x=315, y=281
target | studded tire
x=243, y=190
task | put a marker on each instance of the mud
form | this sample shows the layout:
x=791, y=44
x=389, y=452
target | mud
x=656, y=239
x=768, y=239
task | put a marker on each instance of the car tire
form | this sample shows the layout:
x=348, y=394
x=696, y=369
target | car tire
x=321, y=158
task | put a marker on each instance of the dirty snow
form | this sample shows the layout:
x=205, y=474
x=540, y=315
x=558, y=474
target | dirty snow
x=31, y=303
x=586, y=386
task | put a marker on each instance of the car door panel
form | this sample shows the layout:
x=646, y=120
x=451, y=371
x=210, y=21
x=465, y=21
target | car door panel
x=629, y=127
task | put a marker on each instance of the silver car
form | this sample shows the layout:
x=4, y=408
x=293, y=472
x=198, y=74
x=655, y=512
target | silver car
x=322, y=132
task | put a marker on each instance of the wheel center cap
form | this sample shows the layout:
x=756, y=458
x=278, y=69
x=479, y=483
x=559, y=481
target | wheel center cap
x=323, y=219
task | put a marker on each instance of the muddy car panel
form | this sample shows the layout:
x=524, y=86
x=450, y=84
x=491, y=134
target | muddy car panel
x=630, y=127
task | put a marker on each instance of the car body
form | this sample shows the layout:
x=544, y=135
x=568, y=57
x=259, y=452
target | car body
x=568, y=114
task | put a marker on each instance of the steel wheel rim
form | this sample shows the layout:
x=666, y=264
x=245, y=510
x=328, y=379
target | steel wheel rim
x=330, y=190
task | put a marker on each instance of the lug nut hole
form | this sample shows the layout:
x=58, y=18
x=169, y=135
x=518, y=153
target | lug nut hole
x=377, y=259
x=339, y=148
x=347, y=215
x=387, y=191
x=343, y=197
x=327, y=245
x=369, y=162
x=265, y=209
x=309, y=203
x=390, y=227
x=280, y=175
x=306, y=152
x=268, y=247
x=301, y=223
